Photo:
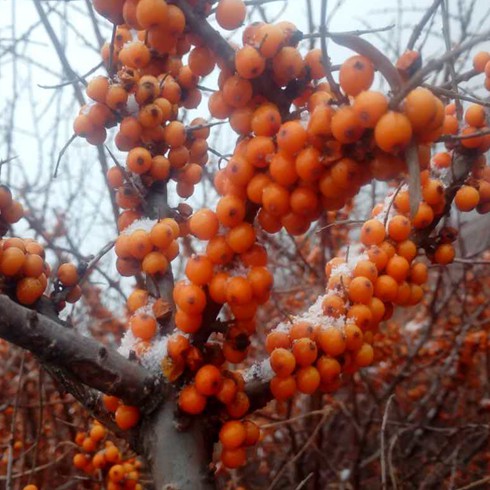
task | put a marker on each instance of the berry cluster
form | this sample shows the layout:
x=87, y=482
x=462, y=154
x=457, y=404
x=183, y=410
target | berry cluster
x=100, y=457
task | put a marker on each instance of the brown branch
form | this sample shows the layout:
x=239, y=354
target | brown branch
x=83, y=359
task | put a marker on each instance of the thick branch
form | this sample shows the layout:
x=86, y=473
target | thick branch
x=84, y=359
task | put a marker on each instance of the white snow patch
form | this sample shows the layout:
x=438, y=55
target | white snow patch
x=144, y=224
x=128, y=343
x=152, y=358
x=259, y=371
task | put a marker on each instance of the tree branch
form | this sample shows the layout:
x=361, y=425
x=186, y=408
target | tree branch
x=83, y=359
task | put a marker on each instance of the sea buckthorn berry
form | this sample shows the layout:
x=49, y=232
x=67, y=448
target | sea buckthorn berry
x=420, y=108
x=366, y=268
x=372, y=232
x=227, y=392
x=283, y=388
x=155, y=263
x=419, y=273
x=237, y=92
x=398, y=268
x=385, y=288
x=305, y=351
x=137, y=299
x=283, y=362
x=161, y=235
x=361, y=314
x=191, y=401
x=308, y=380
x=331, y=340
x=110, y=402
x=252, y=433
x=261, y=281
x=467, y=198
x=204, y=224
x=407, y=249
x=29, y=290
x=328, y=368
x=127, y=416
x=230, y=14
x=356, y=74
x=239, y=406
x=151, y=12
x=433, y=192
x=33, y=265
x=143, y=326
x=208, y=380
x=423, y=217
x=230, y=211
x=364, y=356
x=475, y=116
x=140, y=244
x=232, y=435
x=353, y=337
x=393, y=132
x=68, y=274
x=291, y=137
x=276, y=340
x=444, y=254
x=369, y=107
x=275, y=199
x=190, y=298
x=333, y=306
x=302, y=329
x=287, y=65
x=187, y=322
x=238, y=291
x=314, y=63
x=241, y=237
x=360, y=290
x=249, y=62
x=12, y=260
x=199, y=269
x=480, y=60
x=399, y=228
x=233, y=458
x=346, y=126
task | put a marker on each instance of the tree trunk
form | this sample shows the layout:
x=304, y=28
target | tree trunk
x=178, y=459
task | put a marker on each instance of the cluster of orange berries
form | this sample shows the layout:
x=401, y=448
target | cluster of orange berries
x=224, y=387
x=11, y=210
x=100, y=456
x=335, y=336
x=125, y=416
x=24, y=269
x=148, y=251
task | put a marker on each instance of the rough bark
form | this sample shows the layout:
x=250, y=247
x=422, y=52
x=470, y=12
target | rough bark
x=178, y=457
x=84, y=359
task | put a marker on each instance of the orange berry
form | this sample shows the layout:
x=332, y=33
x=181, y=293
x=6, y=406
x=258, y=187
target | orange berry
x=399, y=228
x=208, y=380
x=444, y=254
x=191, y=401
x=233, y=458
x=369, y=107
x=356, y=74
x=230, y=14
x=68, y=274
x=29, y=290
x=480, y=60
x=283, y=362
x=372, y=232
x=249, y=62
x=143, y=326
x=276, y=340
x=308, y=380
x=393, y=132
x=12, y=261
x=466, y=198
x=283, y=388
x=331, y=341
x=232, y=435
x=360, y=290
x=385, y=288
x=127, y=416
